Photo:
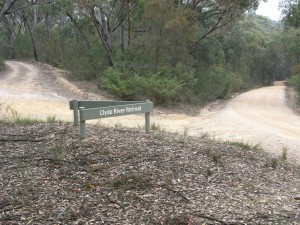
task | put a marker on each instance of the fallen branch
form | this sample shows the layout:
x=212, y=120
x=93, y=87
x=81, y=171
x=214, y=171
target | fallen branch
x=12, y=208
x=176, y=192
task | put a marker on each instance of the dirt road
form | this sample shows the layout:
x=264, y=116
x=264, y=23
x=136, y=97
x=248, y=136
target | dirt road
x=257, y=117
x=24, y=88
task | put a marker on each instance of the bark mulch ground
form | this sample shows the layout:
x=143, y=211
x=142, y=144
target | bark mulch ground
x=124, y=176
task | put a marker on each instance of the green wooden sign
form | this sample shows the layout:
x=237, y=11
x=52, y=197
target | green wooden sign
x=119, y=110
x=89, y=110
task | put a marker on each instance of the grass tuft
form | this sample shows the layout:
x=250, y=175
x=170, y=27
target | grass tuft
x=156, y=127
x=243, y=145
x=274, y=163
x=284, y=153
x=51, y=119
x=247, y=146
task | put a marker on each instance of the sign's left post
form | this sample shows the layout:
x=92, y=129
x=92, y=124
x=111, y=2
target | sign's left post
x=82, y=124
x=75, y=112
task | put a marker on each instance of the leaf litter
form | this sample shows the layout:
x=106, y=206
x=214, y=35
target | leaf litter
x=124, y=176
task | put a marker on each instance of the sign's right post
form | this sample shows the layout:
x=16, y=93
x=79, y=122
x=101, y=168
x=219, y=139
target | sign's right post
x=147, y=122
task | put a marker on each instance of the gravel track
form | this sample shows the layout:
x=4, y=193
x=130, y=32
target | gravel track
x=259, y=116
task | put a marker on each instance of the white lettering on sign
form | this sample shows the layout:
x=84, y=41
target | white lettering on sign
x=134, y=109
x=118, y=111
x=106, y=112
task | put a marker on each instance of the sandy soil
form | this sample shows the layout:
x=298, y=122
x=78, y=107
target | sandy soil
x=260, y=116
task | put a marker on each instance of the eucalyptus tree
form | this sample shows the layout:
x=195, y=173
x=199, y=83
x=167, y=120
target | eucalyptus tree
x=16, y=13
x=291, y=34
x=214, y=16
x=11, y=6
x=7, y=7
x=286, y=5
x=107, y=17
x=292, y=17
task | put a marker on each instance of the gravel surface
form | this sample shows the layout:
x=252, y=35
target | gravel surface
x=124, y=176
x=259, y=116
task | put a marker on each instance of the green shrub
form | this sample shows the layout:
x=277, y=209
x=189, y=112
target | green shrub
x=212, y=83
x=236, y=82
x=2, y=66
x=80, y=68
x=160, y=87
x=22, y=47
x=294, y=81
x=117, y=83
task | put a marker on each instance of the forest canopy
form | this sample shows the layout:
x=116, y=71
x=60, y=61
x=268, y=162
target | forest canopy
x=164, y=50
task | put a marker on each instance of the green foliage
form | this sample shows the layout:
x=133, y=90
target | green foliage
x=2, y=66
x=243, y=145
x=290, y=45
x=170, y=33
x=208, y=172
x=209, y=52
x=22, y=47
x=51, y=119
x=253, y=53
x=293, y=16
x=159, y=87
x=274, y=163
x=217, y=158
x=246, y=146
x=294, y=81
x=26, y=121
x=117, y=83
x=284, y=155
x=212, y=83
x=237, y=82
x=68, y=50
x=165, y=51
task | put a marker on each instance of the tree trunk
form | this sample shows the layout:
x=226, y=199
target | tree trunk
x=26, y=22
x=47, y=25
x=86, y=41
x=129, y=22
x=35, y=14
x=10, y=29
x=122, y=38
x=101, y=23
x=8, y=4
x=104, y=33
